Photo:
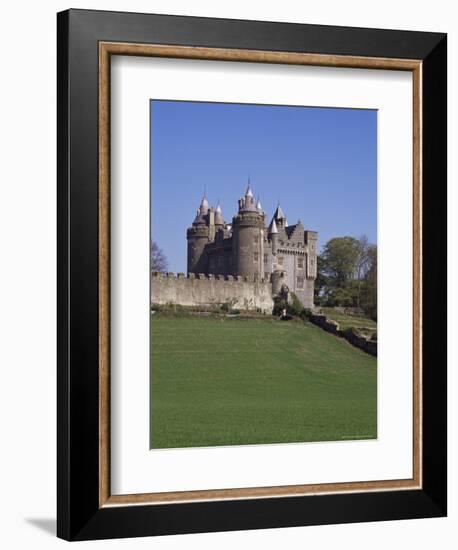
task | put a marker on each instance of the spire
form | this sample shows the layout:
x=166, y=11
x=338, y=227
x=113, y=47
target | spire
x=204, y=205
x=273, y=227
x=278, y=215
x=247, y=202
x=218, y=215
x=259, y=205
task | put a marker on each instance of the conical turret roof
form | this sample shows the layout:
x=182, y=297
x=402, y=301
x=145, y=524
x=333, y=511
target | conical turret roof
x=218, y=215
x=273, y=227
x=278, y=215
x=199, y=217
x=204, y=206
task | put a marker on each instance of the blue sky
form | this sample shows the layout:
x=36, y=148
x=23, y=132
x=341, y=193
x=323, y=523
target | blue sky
x=320, y=163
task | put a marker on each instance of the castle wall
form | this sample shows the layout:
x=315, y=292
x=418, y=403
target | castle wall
x=208, y=290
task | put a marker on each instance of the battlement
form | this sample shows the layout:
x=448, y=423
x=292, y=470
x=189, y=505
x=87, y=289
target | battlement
x=251, y=293
x=210, y=276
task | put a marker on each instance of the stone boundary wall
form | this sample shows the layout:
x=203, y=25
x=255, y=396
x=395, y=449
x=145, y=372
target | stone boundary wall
x=251, y=293
x=357, y=340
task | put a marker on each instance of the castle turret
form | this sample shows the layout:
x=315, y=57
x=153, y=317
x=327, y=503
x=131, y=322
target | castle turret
x=197, y=236
x=204, y=206
x=280, y=218
x=248, y=238
x=311, y=238
x=273, y=235
x=278, y=280
x=219, y=222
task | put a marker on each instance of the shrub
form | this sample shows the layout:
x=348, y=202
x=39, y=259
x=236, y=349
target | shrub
x=279, y=306
x=306, y=314
x=296, y=307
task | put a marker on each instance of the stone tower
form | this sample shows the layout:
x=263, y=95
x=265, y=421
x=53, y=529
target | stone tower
x=198, y=235
x=248, y=228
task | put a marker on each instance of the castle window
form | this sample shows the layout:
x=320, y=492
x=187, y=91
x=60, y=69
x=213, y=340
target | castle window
x=300, y=282
x=280, y=260
x=256, y=239
x=255, y=256
x=300, y=262
x=265, y=258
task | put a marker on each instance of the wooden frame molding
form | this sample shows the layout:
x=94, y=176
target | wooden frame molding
x=106, y=50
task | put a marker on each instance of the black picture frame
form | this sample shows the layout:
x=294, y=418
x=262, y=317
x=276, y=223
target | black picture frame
x=79, y=515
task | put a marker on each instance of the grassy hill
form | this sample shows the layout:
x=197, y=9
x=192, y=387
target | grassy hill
x=235, y=381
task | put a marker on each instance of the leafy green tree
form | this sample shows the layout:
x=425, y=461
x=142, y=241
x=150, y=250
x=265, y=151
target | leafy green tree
x=362, y=265
x=339, y=260
x=347, y=274
x=369, y=294
x=321, y=283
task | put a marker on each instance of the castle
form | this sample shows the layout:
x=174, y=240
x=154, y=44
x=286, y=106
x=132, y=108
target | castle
x=246, y=249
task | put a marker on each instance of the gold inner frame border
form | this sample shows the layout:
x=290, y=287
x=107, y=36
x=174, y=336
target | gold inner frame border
x=106, y=50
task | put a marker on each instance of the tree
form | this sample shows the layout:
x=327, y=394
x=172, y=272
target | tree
x=347, y=274
x=321, y=282
x=158, y=259
x=362, y=261
x=369, y=294
x=339, y=260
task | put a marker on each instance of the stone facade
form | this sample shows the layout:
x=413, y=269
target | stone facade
x=246, y=247
x=212, y=290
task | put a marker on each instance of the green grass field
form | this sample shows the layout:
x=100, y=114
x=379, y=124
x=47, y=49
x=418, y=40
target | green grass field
x=235, y=381
x=364, y=325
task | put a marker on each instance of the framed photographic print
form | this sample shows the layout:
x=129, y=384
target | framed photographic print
x=252, y=274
